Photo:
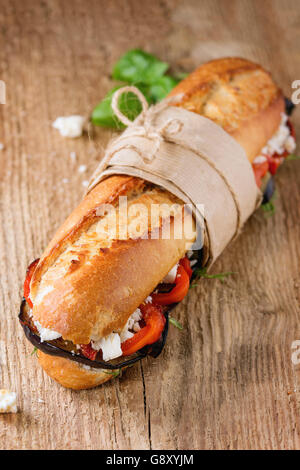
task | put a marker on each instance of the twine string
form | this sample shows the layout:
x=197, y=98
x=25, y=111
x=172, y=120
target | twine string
x=115, y=103
x=145, y=129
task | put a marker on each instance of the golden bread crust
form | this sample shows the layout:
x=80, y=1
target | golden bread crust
x=107, y=192
x=96, y=284
x=70, y=374
x=238, y=95
x=99, y=297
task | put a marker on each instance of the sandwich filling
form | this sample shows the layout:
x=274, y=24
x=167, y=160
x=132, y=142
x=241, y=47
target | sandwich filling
x=279, y=147
x=144, y=327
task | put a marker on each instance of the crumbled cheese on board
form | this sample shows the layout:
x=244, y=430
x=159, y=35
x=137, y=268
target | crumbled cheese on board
x=8, y=401
x=69, y=126
x=73, y=156
x=82, y=168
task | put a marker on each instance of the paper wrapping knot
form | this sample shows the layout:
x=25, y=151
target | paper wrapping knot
x=190, y=156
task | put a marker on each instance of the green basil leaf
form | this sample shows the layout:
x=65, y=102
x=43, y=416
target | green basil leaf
x=162, y=87
x=129, y=104
x=202, y=272
x=139, y=66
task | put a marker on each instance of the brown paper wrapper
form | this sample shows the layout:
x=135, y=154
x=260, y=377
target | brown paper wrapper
x=193, y=158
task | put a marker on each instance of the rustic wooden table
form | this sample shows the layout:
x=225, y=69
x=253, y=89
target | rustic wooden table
x=227, y=380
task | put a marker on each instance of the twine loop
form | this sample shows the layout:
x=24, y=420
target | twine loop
x=144, y=128
x=115, y=103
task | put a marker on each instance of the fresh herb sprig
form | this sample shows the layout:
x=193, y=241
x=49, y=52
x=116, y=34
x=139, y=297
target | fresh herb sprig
x=175, y=323
x=113, y=373
x=202, y=272
x=269, y=208
x=147, y=73
x=293, y=157
x=34, y=351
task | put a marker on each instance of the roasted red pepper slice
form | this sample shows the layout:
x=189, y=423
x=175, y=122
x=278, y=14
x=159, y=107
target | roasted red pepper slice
x=274, y=163
x=260, y=170
x=88, y=351
x=29, y=274
x=149, y=334
x=185, y=263
x=182, y=284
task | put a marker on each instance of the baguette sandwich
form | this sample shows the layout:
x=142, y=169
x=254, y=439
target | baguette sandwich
x=95, y=303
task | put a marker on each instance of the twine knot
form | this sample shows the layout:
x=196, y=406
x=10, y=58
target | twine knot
x=145, y=127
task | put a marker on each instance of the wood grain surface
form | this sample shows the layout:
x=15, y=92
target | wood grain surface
x=227, y=380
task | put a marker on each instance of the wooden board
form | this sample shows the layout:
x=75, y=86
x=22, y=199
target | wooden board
x=226, y=381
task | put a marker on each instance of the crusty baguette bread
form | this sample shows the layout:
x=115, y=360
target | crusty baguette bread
x=87, y=286
x=97, y=283
x=70, y=374
x=239, y=96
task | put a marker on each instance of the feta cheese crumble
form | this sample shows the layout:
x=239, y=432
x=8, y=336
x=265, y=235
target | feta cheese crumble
x=8, y=401
x=280, y=142
x=260, y=159
x=171, y=276
x=69, y=126
x=45, y=333
x=132, y=326
x=290, y=144
x=111, y=344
